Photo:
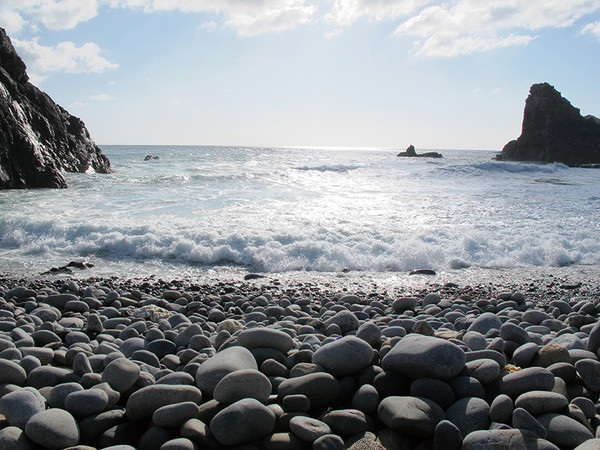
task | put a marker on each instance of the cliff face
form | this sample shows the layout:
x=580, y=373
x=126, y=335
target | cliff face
x=38, y=138
x=554, y=131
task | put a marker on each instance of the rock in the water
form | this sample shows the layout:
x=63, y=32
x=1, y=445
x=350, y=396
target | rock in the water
x=411, y=153
x=53, y=428
x=38, y=138
x=554, y=131
x=242, y=422
x=419, y=356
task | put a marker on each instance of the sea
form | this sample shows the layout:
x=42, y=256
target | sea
x=201, y=211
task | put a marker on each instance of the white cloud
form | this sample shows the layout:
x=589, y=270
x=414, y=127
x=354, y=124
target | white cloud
x=247, y=17
x=101, y=98
x=208, y=26
x=53, y=14
x=346, y=12
x=11, y=21
x=333, y=33
x=65, y=56
x=592, y=28
x=468, y=26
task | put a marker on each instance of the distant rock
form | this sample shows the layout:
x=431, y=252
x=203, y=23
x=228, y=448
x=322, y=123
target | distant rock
x=38, y=138
x=411, y=153
x=151, y=157
x=554, y=131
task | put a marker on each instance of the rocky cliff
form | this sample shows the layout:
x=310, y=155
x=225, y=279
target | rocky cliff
x=38, y=139
x=554, y=131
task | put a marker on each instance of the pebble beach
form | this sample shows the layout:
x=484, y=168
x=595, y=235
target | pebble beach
x=268, y=362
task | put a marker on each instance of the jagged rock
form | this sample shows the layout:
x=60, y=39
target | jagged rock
x=151, y=157
x=554, y=131
x=411, y=153
x=38, y=138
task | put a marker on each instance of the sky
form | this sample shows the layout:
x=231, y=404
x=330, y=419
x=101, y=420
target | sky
x=349, y=73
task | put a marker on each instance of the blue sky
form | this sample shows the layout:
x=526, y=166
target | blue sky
x=355, y=73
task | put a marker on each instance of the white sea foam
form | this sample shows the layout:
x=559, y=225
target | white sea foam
x=200, y=207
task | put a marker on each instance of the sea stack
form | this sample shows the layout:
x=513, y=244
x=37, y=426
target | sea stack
x=412, y=153
x=38, y=139
x=554, y=131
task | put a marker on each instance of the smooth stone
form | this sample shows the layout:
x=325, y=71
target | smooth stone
x=505, y=439
x=551, y=354
x=329, y=442
x=346, y=422
x=58, y=394
x=47, y=376
x=523, y=420
x=222, y=363
x=469, y=414
x=265, y=337
x=113, y=396
x=525, y=380
x=541, y=402
x=564, y=431
x=495, y=355
x=244, y=421
x=282, y=441
x=589, y=371
x=586, y=405
x=593, y=343
x=419, y=356
x=14, y=438
x=365, y=399
x=86, y=403
x=565, y=371
x=410, y=415
x=12, y=373
x=179, y=444
x=21, y=405
x=501, y=409
x=93, y=426
x=177, y=378
x=176, y=414
x=308, y=429
x=591, y=444
x=121, y=374
x=245, y=383
x=485, y=322
x=433, y=389
x=81, y=364
x=447, y=436
x=370, y=333
x=161, y=347
x=465, y=386
x=484, y=370
x=143, y=402
x=524, y=355
x=321, y=388
x=296, y=403
x=511, y=332
x=475, y=340
x=405, y=303
x=344, y=356
x=53, y=428
x=344, y=319
x=199, y=432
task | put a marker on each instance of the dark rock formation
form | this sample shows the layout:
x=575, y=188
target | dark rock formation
x=411, y=153
x=151, y=157
x=554, y=131
x=38, y=138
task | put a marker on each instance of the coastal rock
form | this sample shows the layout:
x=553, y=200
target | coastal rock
x=419, y=356
x=344, y=356
x=411, y=415
x=242, y=422
x=554, y=131
x=38, y=138
x=53, y=428
x=225, y=362
x=411, y=153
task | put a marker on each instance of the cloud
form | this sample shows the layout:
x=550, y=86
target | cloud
x=346, y=12
x=468, y=26
x=64, y=57
x=209, y=26
x=11, y=21
x=53, y=14
x=247, y=17
x=101, y=98
x=333, y=33
x=592, y=28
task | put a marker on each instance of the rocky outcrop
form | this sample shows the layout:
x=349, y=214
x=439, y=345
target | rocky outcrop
x=554, y=132
x=38, y=139
x=411, y=153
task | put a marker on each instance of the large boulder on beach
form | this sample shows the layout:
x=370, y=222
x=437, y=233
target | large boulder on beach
x=38, y=138
x=419, y=356
x=554, y=131
x=344, y=356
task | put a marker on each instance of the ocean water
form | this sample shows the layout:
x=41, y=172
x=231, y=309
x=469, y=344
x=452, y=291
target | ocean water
x=274, y=210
